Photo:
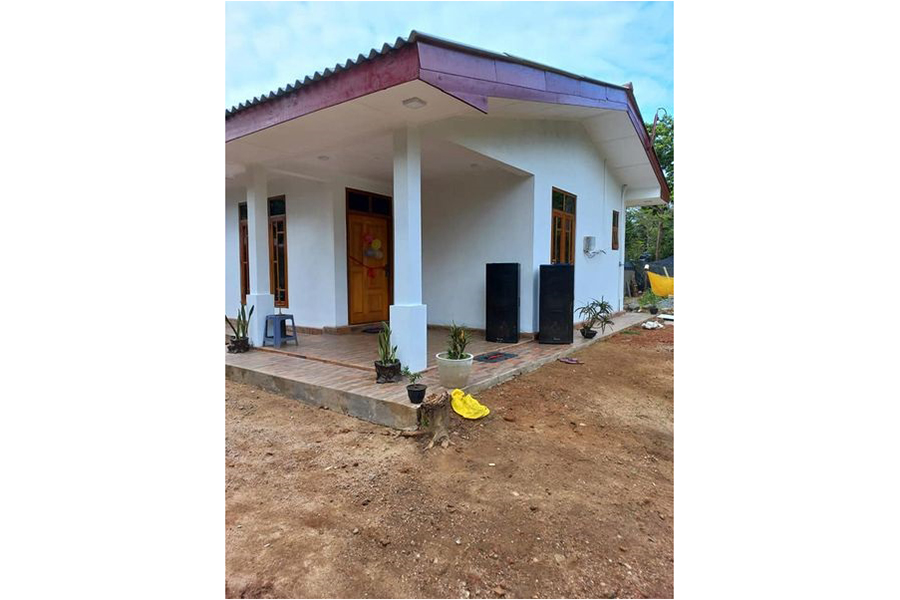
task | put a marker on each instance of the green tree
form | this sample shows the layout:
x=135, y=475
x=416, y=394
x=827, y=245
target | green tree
x=652, y=228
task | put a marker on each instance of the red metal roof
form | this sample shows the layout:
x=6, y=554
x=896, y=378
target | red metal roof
x=469, y=74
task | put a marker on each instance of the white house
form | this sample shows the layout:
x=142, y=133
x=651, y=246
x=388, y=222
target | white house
x=379, y=189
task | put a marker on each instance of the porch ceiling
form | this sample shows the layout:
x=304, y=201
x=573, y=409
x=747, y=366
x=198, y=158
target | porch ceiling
x=353, y=138
x=354, y=135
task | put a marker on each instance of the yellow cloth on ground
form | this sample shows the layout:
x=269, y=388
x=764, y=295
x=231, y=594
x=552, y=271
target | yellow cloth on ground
x=661, y=285
x=467, y=406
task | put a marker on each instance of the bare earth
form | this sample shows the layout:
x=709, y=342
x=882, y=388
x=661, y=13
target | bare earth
x=564, y=490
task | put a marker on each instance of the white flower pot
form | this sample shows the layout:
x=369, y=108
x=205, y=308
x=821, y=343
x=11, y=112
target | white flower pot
x=454, y=373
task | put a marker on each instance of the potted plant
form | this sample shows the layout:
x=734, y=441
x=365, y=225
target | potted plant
x=387, y=367
x=592, y=313
x=604, y=322
x=239, y=341
x=648, y=300
x=455, y=364
x=415, y=391
x=588, y=315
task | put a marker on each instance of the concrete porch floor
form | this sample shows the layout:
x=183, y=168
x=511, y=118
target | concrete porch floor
x=337, y=371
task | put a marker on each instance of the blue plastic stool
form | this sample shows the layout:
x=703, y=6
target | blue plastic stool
x=275, y=338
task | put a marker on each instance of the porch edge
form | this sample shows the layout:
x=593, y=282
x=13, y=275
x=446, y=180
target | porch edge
x=374, y=410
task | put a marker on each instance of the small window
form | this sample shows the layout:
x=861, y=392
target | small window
x=276, y=206
x=558, y=200
x=562, y=232
x=366, y=202
x=357, y=202
x=244, y=251
x=278, y=251
x=381, y=205
x=615, y=230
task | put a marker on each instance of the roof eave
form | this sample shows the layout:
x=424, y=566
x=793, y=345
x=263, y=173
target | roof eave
x=448, y=66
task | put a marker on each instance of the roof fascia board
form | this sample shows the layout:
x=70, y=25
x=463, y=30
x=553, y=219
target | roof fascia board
x=460, y=73
x=471, y=75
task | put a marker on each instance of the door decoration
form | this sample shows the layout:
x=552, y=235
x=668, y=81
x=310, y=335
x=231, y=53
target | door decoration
x=372, y=247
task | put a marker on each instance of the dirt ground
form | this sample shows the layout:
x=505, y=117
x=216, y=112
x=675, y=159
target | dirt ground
x=564, y=490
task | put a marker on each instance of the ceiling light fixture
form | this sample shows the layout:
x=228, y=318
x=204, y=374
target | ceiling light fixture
x=414, y=103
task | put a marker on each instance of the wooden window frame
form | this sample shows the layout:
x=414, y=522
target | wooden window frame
x=564, y=217
x=243, y=254
x=615, y=229
x=348, y=191
x=273, y=254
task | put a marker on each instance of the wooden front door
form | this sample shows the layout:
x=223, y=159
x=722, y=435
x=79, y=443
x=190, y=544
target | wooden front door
x=368, y=267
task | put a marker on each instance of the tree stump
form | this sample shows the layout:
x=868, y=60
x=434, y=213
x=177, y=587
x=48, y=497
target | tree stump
x=434, y=417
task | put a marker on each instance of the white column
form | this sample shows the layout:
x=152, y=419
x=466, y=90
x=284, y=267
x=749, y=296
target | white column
x=258, y=249
x=409, y=322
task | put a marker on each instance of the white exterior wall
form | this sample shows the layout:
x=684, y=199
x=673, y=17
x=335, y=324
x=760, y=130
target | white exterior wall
x=317, y=247
x=310, y=241
x=467, y=222
x=559, y=154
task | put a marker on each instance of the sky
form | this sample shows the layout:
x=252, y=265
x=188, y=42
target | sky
x=271, y=44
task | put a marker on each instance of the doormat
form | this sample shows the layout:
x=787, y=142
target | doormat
x=495, y=357
x=372, y=330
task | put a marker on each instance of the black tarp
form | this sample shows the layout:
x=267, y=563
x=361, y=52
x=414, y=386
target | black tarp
x=668, y=263
x=656, y=266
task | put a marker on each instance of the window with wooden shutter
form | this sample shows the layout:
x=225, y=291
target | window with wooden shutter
x=615, y=230
x=562, y=232
x=244, y=251
x=278, y=250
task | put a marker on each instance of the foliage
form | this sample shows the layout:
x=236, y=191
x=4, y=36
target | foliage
x=604, y=322
x=243, y=323
x=648, y=298
x=642, y=225
x=595, y=311
x=457, y=341
x=652, y=228
x=412, y=377
x=387, y=355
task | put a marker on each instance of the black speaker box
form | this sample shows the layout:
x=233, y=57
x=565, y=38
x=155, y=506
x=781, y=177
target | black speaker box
x=556, y=304
x=502, y=302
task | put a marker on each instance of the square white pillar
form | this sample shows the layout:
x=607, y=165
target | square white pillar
x=409, y=322
x=258, y=250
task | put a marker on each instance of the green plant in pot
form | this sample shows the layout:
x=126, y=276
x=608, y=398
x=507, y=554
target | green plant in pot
x=387, y=367
x=239, y=341
x=455, y=365
x=604, y=322
x=648, y=300
x=415, y=390
x=595, y=312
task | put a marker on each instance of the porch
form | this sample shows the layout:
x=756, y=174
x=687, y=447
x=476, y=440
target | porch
x=337, y=372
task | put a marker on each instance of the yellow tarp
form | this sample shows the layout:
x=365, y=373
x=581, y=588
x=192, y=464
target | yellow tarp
x=661, y=285
x=466, y=406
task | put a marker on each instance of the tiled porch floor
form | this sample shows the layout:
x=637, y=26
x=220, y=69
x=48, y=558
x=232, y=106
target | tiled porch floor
x=361, y=349
x=341, y=375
